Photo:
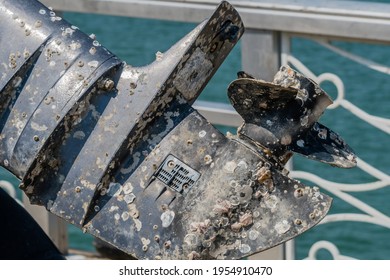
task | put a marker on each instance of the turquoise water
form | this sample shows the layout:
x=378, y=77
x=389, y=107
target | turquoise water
x=136, y=41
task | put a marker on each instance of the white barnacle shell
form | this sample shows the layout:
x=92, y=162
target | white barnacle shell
x=167, y=218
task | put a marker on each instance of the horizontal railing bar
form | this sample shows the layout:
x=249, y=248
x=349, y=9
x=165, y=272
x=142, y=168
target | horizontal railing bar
x=219, y=113
x=150, y=9
x=345, y=19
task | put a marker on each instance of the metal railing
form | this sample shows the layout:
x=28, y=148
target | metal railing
x=272, y=30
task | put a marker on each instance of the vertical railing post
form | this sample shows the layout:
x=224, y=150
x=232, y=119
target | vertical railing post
x=261, y=57
x=285, y=49
x=261, y=53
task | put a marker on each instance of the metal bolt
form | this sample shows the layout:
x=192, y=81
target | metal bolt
x=171, y=164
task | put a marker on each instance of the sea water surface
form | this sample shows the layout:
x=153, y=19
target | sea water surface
x=136, y=41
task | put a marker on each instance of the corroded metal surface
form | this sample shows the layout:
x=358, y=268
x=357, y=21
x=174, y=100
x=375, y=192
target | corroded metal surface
x=241, y=204
x=119, y=151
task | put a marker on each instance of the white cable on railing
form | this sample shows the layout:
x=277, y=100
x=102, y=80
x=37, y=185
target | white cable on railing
x=378, y=216
x=383, y=179
x=354, y=217
x=341, y=190
x=358, y=59
x=378, y=122
x=373, y=171
x=328, y=246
